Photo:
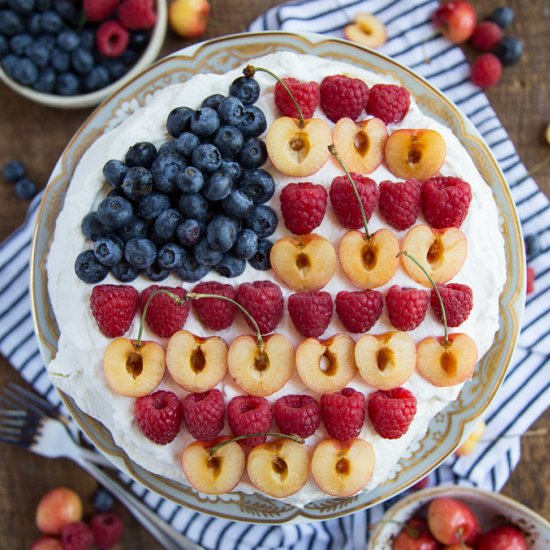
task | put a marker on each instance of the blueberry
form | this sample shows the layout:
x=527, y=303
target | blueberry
x=115, y=68
x=97, y=78
x=46, y=81
x=124, y=272
x=135, y=228
x=257, y=184
x=26, y=72
x=231, y=111
x=262, y=220
x=139, y=39
x=66, y=84
x=140, y=253
x=168, y=147
x=141, y=154
x=221, y=233
x=170, y=256
x=166, y=224
x=533, y=245
x=204, y=122
x=189, y=232
x=253, y=153
x=260, y=260
x=156, y=273
x=60, y=60
x=19, y=43
x=194, y=205
x=46, y=41
x=151, y=205
x=114, y=211
x=217, y=186
x=24, y=7
x=68, y=40
x=88, y=269
x=205, y=255
x=178, y=121
x=166, y=169
x=128, y=57
x=186, y=144
x=14, y=170
x=246, y=89
x=108, y=250
x=43, y=5
x=51, y=23
x=3, y=46
x=191, y=271
x=229, y=140
x=237, y=204
x=213, y=101
x=66, y=10
x=103, y=500
x=206, y=158
x=138, y=181
x=10, y=23
x=38, y=54
x=246, y=244
x=509, y=50
x=503, y=17
x=190, y=180
x=116, y=192
x=9, y=64
x=253, y=122
x=92, y=228
x=34, y=24
x=232, y=169
x=113, y=172
x=82, y=60
x=230, y=266
x=25, y=188
x=87, y=40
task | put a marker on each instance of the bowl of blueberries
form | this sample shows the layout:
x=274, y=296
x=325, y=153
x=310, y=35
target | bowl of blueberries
x=74, y=53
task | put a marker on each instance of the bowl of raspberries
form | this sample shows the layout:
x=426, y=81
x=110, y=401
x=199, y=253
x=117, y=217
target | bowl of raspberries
x=74, y=53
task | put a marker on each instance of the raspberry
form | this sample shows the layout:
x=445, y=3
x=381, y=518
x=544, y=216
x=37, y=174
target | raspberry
x=112, y=39
x=359, y=310
x=530, y=280
x=303, y=206
x=204, y=414
x=486, y=70
x=137, y=14
x=77, y=536
x=486, y=36
x=158, y=416
x=391, y=412
x=264, y=301
x=406, y=307
x=388, y=102
x=98, y=10
x=445, y=201
x=107, y=529
x=306, y=94
x=215, y=314
x=164, y=317
x=457, y=300
x=113, y=308
x=343, y=413
x=345, y=204
x=297, y=414
x=310, y=312
x=400, y=202
x=342, y=96
x=247, y=415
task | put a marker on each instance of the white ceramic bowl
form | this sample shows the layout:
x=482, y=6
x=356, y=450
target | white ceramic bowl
x=149, y=55
x=491, y=509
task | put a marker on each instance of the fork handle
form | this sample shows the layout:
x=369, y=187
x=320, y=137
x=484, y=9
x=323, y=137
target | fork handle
x=166, y=535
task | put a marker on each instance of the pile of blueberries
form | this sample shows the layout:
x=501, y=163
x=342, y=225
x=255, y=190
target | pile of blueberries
x=44, y=46
x=194, y=204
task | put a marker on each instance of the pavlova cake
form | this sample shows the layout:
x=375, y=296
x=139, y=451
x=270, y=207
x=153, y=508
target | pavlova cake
x=274, y=285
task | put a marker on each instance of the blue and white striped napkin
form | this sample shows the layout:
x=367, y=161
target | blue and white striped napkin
x=526, y=390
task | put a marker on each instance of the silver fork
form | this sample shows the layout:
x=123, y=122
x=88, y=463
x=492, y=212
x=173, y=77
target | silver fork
x=50, y=437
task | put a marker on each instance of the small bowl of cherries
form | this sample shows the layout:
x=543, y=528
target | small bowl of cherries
x=459, y=518
x=74, y=53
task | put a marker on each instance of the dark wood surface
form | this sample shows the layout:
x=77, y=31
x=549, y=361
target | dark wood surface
x=37, y=136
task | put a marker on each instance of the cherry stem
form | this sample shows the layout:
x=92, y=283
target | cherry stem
x=334, y=153
x=443, y=315
x=460, y=538
x=199, y=296
x=250, y=70
x=295, y=438
x=177, y=300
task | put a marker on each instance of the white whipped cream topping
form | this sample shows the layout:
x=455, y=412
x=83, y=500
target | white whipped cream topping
x=77, y=367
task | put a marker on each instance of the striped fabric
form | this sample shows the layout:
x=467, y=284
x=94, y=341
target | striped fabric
x=526, y=390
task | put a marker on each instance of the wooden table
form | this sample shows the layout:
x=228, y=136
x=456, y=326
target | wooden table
x=37, y=135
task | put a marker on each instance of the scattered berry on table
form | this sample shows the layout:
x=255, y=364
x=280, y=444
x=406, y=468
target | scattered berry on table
x=310, y=312
x=246, y=415
x=260, y=260
x=359, y=310
x=264, y=301
x=114, y=308
x=400, y=202
x=343, y=413
x=164, y=316
x=342, y=96
x=88, y=269
x=112, y=39
x=107, y=529
x=246, y=89
x=215, y=314
x=303, y=206
x=263, y=220
x=25, y=188
x=306, y=94
x=158, y=416
x=503, y=16
x=486, y=36
x=14, y=170
x=103, y=500
x=530, y=280
x=407, y=307
x=297, y=414
x=77, y=536
x=486, y=70
x=509, y=50
x=445, y=201
x=388, y=102
x=204, y=414
x=391, y=412
x=533, y=245
x=345, y=204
